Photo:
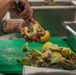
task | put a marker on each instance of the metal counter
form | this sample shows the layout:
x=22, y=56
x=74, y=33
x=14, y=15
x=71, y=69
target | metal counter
x=51, y=17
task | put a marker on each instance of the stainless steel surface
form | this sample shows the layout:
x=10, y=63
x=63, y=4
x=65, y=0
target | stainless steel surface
x=35, y=2
x=71, y=34
x=41, y=2
x=73, y=1
x=51, y=17
x=60, y=3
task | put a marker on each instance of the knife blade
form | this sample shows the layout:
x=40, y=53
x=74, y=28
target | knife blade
x=20, y=8
x=30, y=27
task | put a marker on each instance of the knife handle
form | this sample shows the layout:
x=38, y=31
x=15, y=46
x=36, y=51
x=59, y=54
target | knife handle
x=19, y=6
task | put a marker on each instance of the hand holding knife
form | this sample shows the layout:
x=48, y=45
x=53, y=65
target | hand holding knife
x=20, y=8
x=35, y=31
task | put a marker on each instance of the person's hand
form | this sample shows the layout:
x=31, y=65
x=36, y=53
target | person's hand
x=20, y=24
x=26, y=14
x=34, y=38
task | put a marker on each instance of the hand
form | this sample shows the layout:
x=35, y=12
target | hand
x=26, y=14
x=34, y=38
x=20, y=23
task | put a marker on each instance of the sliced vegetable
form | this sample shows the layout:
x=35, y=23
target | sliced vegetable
x=25, y=47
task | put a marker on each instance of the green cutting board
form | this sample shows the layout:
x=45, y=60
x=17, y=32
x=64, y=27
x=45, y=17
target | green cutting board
x=13, y=49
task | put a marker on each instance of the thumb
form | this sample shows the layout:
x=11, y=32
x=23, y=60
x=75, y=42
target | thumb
x=33, y=21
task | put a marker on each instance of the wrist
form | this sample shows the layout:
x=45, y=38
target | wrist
x=18, y=24
x=11, y=26
x=14, y=25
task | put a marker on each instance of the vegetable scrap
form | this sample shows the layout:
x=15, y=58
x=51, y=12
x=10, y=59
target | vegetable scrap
x=51, y=56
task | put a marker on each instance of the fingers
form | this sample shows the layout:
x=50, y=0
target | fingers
x=27, y=38
x=26, y=14
x=23, y=34
x=24, y=2
x=33, y=21
x=41, y=33
x=34, y=38
x=14, y=11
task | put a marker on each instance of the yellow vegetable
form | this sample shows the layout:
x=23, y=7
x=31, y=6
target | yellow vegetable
x=46, y=37
x=51, y=46
x=44, y=55
x=36, y=52
x=65, y=52
x=35, y=28
x=54, y=47
x=25, y=47
x=24, y=61
x=56, y=57
x=46, y=46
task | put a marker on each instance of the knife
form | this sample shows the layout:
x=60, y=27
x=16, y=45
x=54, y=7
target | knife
x=20, y=8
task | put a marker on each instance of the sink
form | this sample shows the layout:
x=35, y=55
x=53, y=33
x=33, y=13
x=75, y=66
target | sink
x=51, y=17
x=41, y=3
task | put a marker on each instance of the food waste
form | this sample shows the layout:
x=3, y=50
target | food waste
x=51, y=56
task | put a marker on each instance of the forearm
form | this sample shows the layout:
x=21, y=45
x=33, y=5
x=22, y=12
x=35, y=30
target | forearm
x=10, y=26
x=4, y=7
